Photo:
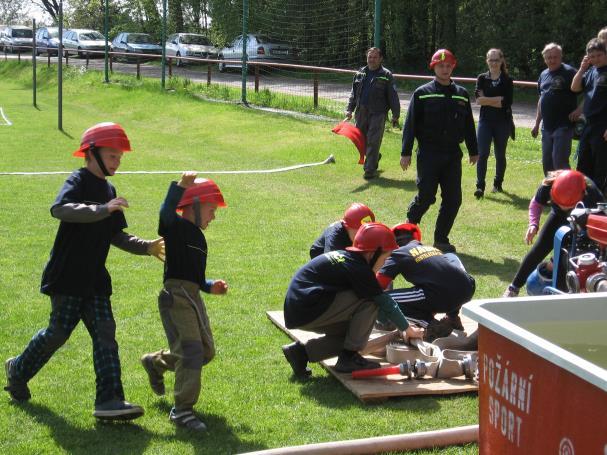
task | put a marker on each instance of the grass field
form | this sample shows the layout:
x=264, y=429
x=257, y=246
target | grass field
x=256, y=244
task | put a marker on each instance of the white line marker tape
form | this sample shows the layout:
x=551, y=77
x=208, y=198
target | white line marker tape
x=330, y=159
x=7, y=121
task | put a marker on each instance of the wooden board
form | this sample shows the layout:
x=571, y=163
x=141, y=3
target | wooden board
x=376, y=389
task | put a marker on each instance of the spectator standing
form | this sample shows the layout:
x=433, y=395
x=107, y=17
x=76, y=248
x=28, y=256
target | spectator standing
x=373, y=94
x=556, y=109
x=494, y=94
x=592, y=149
x=440, y=118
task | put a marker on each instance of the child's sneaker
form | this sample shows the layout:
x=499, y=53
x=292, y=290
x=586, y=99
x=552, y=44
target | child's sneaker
x=510, y=291
x=155, y=378
x=117, y=410
x=18, y=390
x=187, y=419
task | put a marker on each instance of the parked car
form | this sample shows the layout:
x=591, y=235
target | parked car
x=17, y=38
x=136, y=43
x=259, y=48
x=189, y=45
x=47, y=40
x=79, y=41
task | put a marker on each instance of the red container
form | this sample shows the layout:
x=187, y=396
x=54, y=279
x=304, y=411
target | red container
x=535, y=397
x=597, y=229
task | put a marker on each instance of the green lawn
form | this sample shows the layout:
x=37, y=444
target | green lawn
x=256, y=244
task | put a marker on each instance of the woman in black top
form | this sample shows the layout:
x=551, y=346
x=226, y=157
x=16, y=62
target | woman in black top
x=494, y=94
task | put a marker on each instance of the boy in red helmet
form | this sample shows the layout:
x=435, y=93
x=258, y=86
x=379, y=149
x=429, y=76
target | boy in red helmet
x=440, y=282
x=340, y=234
x=336, y=294
x=182, y=310
x=91, y=218
x=562, y=190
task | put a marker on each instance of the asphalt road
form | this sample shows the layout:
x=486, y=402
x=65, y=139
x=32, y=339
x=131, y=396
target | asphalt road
x=276, y=81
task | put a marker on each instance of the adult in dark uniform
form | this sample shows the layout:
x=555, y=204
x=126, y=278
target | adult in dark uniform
x=440, y=282
x=562, y=190
x=373, y=94
x=339, y=235
x=440, y=118
x=592, y=148
x=336, y=294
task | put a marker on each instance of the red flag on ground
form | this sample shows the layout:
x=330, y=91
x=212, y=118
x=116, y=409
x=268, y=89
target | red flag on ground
x=355, y=135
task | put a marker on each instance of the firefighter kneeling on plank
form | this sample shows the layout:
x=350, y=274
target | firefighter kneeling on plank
x=336, y=294
x=440, y=282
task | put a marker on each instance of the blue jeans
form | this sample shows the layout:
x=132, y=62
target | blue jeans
x=556, y=148
x=487, y=132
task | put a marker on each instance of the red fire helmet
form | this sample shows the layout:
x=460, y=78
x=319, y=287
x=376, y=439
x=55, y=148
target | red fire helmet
x=106, y=134
x=356, y=215
x=408, y=232
x=443, y=55
x=568, y=188
x=206, y=190
x=372, y=236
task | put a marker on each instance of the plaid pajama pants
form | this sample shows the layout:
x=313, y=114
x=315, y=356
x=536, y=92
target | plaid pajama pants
x=67, y=311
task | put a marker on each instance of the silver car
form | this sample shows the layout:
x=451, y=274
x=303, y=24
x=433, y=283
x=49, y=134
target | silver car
x=17, y=38
x=259, y=48
x=189, y=45
x=135, y=43
x=78, y=41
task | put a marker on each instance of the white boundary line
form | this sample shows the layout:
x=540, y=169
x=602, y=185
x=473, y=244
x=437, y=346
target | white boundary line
x=8, y=122
x=330, y=159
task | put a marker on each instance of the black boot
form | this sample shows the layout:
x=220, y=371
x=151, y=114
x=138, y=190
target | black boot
x=296, y=355
x=349, y=361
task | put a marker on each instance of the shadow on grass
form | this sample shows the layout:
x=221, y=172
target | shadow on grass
x=132, y=438
x=113, y=437
x=328, y=392
x=219, y=439
x=384, y=182
x=65, y=133
x=480, y=266
x=513, y=199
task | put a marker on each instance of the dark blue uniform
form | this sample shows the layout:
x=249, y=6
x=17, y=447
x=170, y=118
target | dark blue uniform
x=335, y=237
x=592, y=149
x=439, y=118
x=440, y=284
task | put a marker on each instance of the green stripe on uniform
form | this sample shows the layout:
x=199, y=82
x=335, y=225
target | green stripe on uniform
x=463, y=98
x=433, y=95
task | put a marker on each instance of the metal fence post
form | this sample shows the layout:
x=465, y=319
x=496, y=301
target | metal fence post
x=87, y=59
x=315, y=89
x=256, y=78
x=34, y=62
x=208, y=74
x=67, y=58
x=106, y=55
x=48, y=58
x=245, y=58
x=138, y=68
x=377, y=27
x=60, y=70
x=163, y=38
x=170, y=67
x=19, y=54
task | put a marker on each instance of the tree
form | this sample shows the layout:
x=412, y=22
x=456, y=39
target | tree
x=50, y=6
x=12, y=11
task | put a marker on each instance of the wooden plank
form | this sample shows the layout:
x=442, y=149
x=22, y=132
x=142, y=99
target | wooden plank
x=375, y=389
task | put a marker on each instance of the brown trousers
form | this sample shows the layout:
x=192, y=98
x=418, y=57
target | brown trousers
x=190, y=339
x=346, y=324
